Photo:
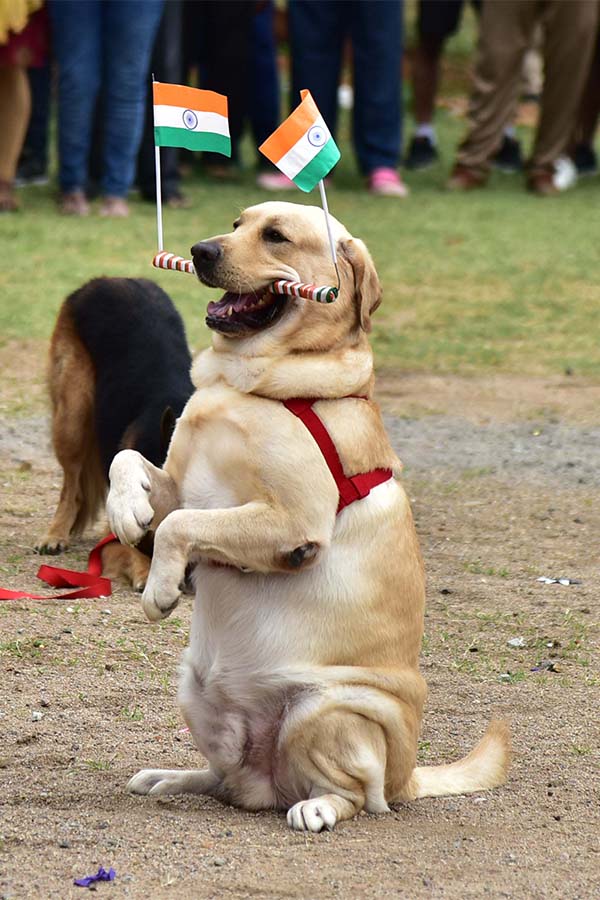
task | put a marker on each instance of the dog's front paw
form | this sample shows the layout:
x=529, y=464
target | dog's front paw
x=128, y=505
x=161, y=596
x=312, y=815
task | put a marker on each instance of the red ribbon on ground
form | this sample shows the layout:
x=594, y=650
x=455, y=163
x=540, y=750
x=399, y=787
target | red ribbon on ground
x=90, y=583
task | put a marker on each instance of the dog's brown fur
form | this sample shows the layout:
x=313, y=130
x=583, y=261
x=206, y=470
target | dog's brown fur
x=302, y=690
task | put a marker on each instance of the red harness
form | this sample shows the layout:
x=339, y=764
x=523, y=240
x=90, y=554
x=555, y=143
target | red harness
x=350, y=489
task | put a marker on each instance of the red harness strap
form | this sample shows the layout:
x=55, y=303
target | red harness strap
x=90, y=583
x=350, y=489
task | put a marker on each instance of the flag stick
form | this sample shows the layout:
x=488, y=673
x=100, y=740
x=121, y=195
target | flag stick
x=159, y=223
x=328, y=224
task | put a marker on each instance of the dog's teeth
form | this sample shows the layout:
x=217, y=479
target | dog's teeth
x=230, y=311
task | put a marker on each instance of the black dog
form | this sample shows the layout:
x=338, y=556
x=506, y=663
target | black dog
x=119, y=375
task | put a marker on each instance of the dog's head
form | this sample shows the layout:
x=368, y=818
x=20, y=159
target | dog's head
x=286, y=241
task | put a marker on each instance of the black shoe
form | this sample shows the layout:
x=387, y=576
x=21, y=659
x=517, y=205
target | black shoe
x=422, y=153
x=585, y=159
x=508, y=159
x=31, y=171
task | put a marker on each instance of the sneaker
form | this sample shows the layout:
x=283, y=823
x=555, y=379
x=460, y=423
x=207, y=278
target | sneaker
x=422, y=153
x=565, y=173
x=114, y=208
x=274, y=181
x=508, y=158
x=465, y=179
x=542, y=183
x=385, y=182
x=177, y=200
x=585, y=159
x=31, y=172
x=74, y=203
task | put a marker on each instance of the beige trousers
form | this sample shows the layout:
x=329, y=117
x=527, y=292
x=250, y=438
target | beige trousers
x=506, y=33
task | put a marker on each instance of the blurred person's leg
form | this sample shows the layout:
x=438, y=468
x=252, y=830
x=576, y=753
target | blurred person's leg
x=570, y=28
x=437, y=20
x=226, y=64
x=505, y=35
x=583, y=153
x=128, y=32
x=76, y=41
x=317, y=29
x=33, y=163
x=376, y=30
x=15, y=105
x=263, y=105
x=264, y=101
x=166, y=65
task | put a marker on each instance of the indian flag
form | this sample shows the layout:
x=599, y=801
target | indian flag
x=190, y=118
x=302, y=146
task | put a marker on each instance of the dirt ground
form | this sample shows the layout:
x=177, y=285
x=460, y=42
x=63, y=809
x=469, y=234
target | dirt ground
x=504, y=476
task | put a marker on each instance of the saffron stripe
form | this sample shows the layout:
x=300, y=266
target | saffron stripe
x=291, y=131
x=189, y=98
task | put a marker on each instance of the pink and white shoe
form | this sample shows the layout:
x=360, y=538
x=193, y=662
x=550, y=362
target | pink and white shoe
x=386, y=182
x=275, y=181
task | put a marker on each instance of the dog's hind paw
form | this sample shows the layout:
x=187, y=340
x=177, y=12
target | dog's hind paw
x=312, y=815
x=51, y=546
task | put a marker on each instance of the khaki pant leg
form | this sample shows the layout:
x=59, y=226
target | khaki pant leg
x=506, y=33
x=570, y=36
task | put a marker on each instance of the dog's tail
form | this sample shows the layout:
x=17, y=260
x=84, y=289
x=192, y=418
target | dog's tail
x=485, y=767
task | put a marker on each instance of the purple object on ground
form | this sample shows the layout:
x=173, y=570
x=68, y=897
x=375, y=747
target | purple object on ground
x=101, y=875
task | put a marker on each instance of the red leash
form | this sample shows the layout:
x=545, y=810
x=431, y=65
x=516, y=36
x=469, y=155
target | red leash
x=90, y=583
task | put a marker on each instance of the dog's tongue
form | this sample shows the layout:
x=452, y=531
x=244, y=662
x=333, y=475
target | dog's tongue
x=236, y=301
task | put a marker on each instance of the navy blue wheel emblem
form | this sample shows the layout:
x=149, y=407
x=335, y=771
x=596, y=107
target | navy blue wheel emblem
x=317, y=136
x=190, y=119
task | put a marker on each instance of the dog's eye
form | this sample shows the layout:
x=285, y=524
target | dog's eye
x=274, y=236
x=236, y=224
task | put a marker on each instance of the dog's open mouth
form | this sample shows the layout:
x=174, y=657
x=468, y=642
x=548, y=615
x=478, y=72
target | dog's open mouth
x=242, y=313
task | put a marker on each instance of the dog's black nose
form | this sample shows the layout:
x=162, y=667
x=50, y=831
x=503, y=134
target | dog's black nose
x=205, y=253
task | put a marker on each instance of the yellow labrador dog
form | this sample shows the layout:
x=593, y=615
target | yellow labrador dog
x=301, y=683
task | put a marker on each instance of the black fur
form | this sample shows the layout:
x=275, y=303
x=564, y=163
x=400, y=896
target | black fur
x=136, y=340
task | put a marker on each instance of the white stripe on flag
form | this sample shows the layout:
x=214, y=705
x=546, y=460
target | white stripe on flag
x=303, y=151
x=172, y=117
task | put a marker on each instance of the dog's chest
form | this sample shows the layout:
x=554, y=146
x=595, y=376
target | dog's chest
x=203, y=486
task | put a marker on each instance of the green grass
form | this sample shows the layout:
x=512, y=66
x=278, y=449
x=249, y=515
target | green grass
x=492, y=281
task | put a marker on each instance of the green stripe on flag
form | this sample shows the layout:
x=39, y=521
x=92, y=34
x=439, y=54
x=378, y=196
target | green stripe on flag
x=319, y=166
x=192, y=140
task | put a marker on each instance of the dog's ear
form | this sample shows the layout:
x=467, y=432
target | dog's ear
x=367, y=289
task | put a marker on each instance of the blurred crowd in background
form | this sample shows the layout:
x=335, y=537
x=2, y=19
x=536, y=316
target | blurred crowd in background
x=79, y=72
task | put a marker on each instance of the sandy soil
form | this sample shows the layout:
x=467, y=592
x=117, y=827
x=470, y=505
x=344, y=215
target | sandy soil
x=504, y=475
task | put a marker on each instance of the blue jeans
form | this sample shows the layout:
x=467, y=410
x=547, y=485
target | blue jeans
x=318, y=29
x=102, y=44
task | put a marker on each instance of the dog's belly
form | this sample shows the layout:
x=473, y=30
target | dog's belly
x=240, y=736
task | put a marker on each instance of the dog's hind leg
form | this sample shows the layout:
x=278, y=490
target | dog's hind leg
x=72, y=384
x=119, y=561
x=340, y=758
